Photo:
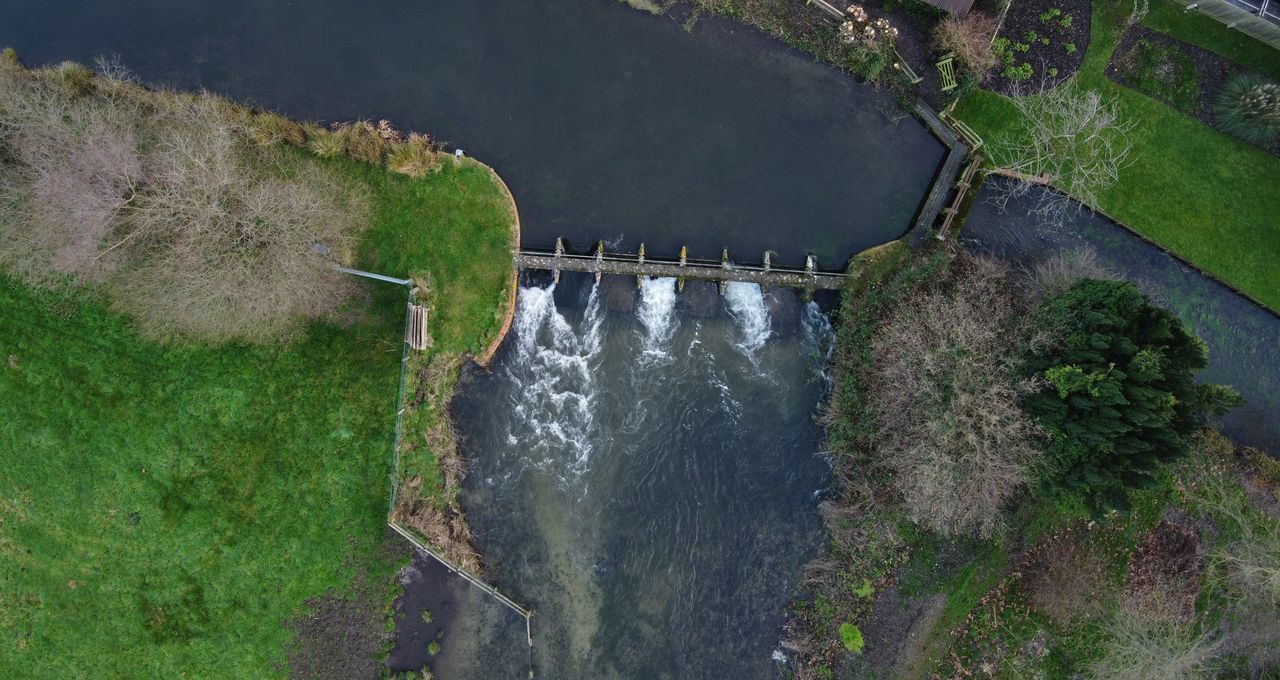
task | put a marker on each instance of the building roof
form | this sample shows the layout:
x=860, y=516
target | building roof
x=956, y=7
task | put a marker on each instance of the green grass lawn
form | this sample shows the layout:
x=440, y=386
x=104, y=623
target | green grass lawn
x=165, y=509
x=1208, y=197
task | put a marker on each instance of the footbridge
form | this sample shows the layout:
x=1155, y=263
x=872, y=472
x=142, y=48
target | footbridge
x=681, y=269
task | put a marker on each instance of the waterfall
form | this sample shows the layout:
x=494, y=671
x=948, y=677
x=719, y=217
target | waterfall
x=656, y=312
x=746, y=305
x=554, y=373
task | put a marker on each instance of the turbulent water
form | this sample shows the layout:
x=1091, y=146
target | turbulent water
x=645, y=475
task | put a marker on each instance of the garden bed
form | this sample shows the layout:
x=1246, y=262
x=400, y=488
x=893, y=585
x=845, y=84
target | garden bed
x=1040, y=42
x=1182, y=76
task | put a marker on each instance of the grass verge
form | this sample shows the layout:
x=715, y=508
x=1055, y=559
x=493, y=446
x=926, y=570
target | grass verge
x=165, y=509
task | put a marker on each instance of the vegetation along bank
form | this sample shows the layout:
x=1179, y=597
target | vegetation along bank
x=1026, y=485
x=196, y=408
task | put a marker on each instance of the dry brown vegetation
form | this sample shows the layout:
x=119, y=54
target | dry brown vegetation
x=434, y=513
x=167, y=202
x=1065, y=577
x=969, y=37
x=1164, y=574
x=947, y=401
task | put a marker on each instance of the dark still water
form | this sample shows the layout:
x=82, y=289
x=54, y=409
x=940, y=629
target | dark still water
x=645, y=476
x=607, y=122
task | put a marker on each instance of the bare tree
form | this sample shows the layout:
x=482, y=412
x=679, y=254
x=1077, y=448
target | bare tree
x=1074, y=140
x=166, y=200
x=947, y=402
x=231, y=231
x=75, y=167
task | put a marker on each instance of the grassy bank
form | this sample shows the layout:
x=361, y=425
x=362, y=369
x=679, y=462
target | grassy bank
x=1207, y=197
x=166, y=509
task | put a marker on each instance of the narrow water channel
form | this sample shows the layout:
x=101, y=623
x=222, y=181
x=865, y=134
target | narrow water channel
x=645, y=476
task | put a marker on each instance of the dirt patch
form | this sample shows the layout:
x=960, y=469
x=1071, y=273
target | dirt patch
x=1041, y=41
x=895, y=635
x=341, y=635
x=1165, y=573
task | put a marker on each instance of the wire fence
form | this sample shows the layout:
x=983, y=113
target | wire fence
x=405, y=532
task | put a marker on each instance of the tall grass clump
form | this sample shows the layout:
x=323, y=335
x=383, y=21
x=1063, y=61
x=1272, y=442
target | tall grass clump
x=415, y=157
x=326, y=142
x=1249, y=108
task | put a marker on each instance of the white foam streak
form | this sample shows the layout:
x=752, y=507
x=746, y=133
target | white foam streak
x=746, y=305
x=657, y=313
x=555, y=375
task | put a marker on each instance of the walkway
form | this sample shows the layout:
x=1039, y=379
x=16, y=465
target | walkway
x=637, y=265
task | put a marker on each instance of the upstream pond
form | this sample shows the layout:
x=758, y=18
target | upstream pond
x=607, y=122
x=646, y=465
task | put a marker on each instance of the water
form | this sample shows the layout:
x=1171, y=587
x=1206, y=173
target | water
x=645, y=476
x=1243, y=338
x=607, y=123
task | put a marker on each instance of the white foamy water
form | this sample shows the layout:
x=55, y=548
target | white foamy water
x=657, y=313
x=555, y=374
x=746, y=306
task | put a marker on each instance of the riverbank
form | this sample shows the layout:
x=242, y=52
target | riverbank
x=194, y=497
x=1055, y=591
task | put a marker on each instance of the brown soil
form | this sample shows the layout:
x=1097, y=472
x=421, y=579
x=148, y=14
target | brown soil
x=1024, y=18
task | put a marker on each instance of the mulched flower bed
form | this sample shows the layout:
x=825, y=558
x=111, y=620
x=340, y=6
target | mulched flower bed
x=1180, y=75
x=1041, y=41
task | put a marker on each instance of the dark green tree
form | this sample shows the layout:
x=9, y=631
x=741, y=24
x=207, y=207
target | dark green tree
x=1121, y=396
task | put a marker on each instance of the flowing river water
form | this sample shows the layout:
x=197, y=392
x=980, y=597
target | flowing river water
x=645, y=477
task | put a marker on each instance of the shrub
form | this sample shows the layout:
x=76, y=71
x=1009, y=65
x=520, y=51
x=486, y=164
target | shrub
x=1121, y=394
x=416, y=156
x=9, y=58
x=77, y=166
x=271, y=128
x=1060, y=271
x=1136, y=647
x=77, y=79
x=1249, y=108
x=166, y=201
x=233, y=240
x=947, y=402
x=969, y=37
x=851, y=637
x=433, y=648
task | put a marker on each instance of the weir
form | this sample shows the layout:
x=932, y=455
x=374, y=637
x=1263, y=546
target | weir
x=680, y=269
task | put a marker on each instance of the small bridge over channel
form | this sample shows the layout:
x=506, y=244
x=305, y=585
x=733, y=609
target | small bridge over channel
x=681, y=269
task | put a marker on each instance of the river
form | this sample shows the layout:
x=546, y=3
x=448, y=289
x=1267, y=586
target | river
x=645, y=476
